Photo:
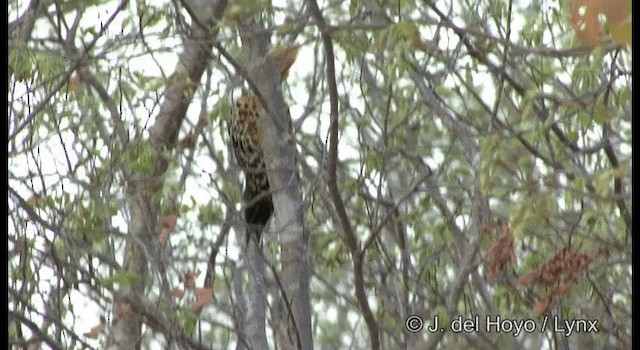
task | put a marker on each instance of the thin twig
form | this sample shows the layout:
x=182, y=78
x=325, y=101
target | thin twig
x=349, y=235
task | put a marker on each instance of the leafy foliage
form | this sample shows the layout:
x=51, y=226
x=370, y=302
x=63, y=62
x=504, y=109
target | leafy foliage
x=484, y=162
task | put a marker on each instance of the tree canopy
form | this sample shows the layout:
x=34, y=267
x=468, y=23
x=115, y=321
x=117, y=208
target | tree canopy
x=463, y=165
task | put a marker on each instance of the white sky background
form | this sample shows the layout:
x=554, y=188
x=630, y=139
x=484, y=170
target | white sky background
x=196, y=186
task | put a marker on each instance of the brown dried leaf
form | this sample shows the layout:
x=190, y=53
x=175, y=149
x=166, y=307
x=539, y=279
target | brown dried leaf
x=489, y=228
x=500, y=255
x=564, y=285
x=528, y=279
x=492, y=274
x=188, y=141
x=548, y=278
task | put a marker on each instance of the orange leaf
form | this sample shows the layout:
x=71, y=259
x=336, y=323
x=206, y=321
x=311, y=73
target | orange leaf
x=189, y=279
x=542, y=306
x=123, y=310
x=585, y=22
x=177, y=292
x=95, y=332
x=617, y=11
x=163, y=236
x=203, y=296
x=169, y=221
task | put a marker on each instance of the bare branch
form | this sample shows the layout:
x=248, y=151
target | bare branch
x=349, y=235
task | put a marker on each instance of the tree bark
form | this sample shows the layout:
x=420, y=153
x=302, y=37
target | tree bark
x=279, y=153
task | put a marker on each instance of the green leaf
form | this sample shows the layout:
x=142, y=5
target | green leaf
x=231, y=191
x=601, y=114
x=209, y=214
x=602, y=183
x=141, y=158
x=468, y=76
x=372, y=161
x=518, y=219
x=406, y=31
x=568, y=199
x=353, y=6
x=625, y=96
x=70, y=5
x=442, y=91
x=621, y=31
x=547, y=207
x=189, y=319
x=584, y=119
x=121, y=278
x=21, y=62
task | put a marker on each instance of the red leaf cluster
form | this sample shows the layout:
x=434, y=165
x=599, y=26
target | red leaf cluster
x=168, y=225
x=95, y=331
x=189, y=279
x=559, y=273
x=500, y=254
x=203, y=296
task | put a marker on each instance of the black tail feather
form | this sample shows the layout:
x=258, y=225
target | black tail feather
x=257, y=214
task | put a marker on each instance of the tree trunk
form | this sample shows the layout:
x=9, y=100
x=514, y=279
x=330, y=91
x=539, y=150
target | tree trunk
x=143, y=190
x=279, y=153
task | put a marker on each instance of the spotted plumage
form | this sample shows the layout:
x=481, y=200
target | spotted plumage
x=246, y=138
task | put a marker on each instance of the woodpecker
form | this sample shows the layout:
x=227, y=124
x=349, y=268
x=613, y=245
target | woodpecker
x=246, y=138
